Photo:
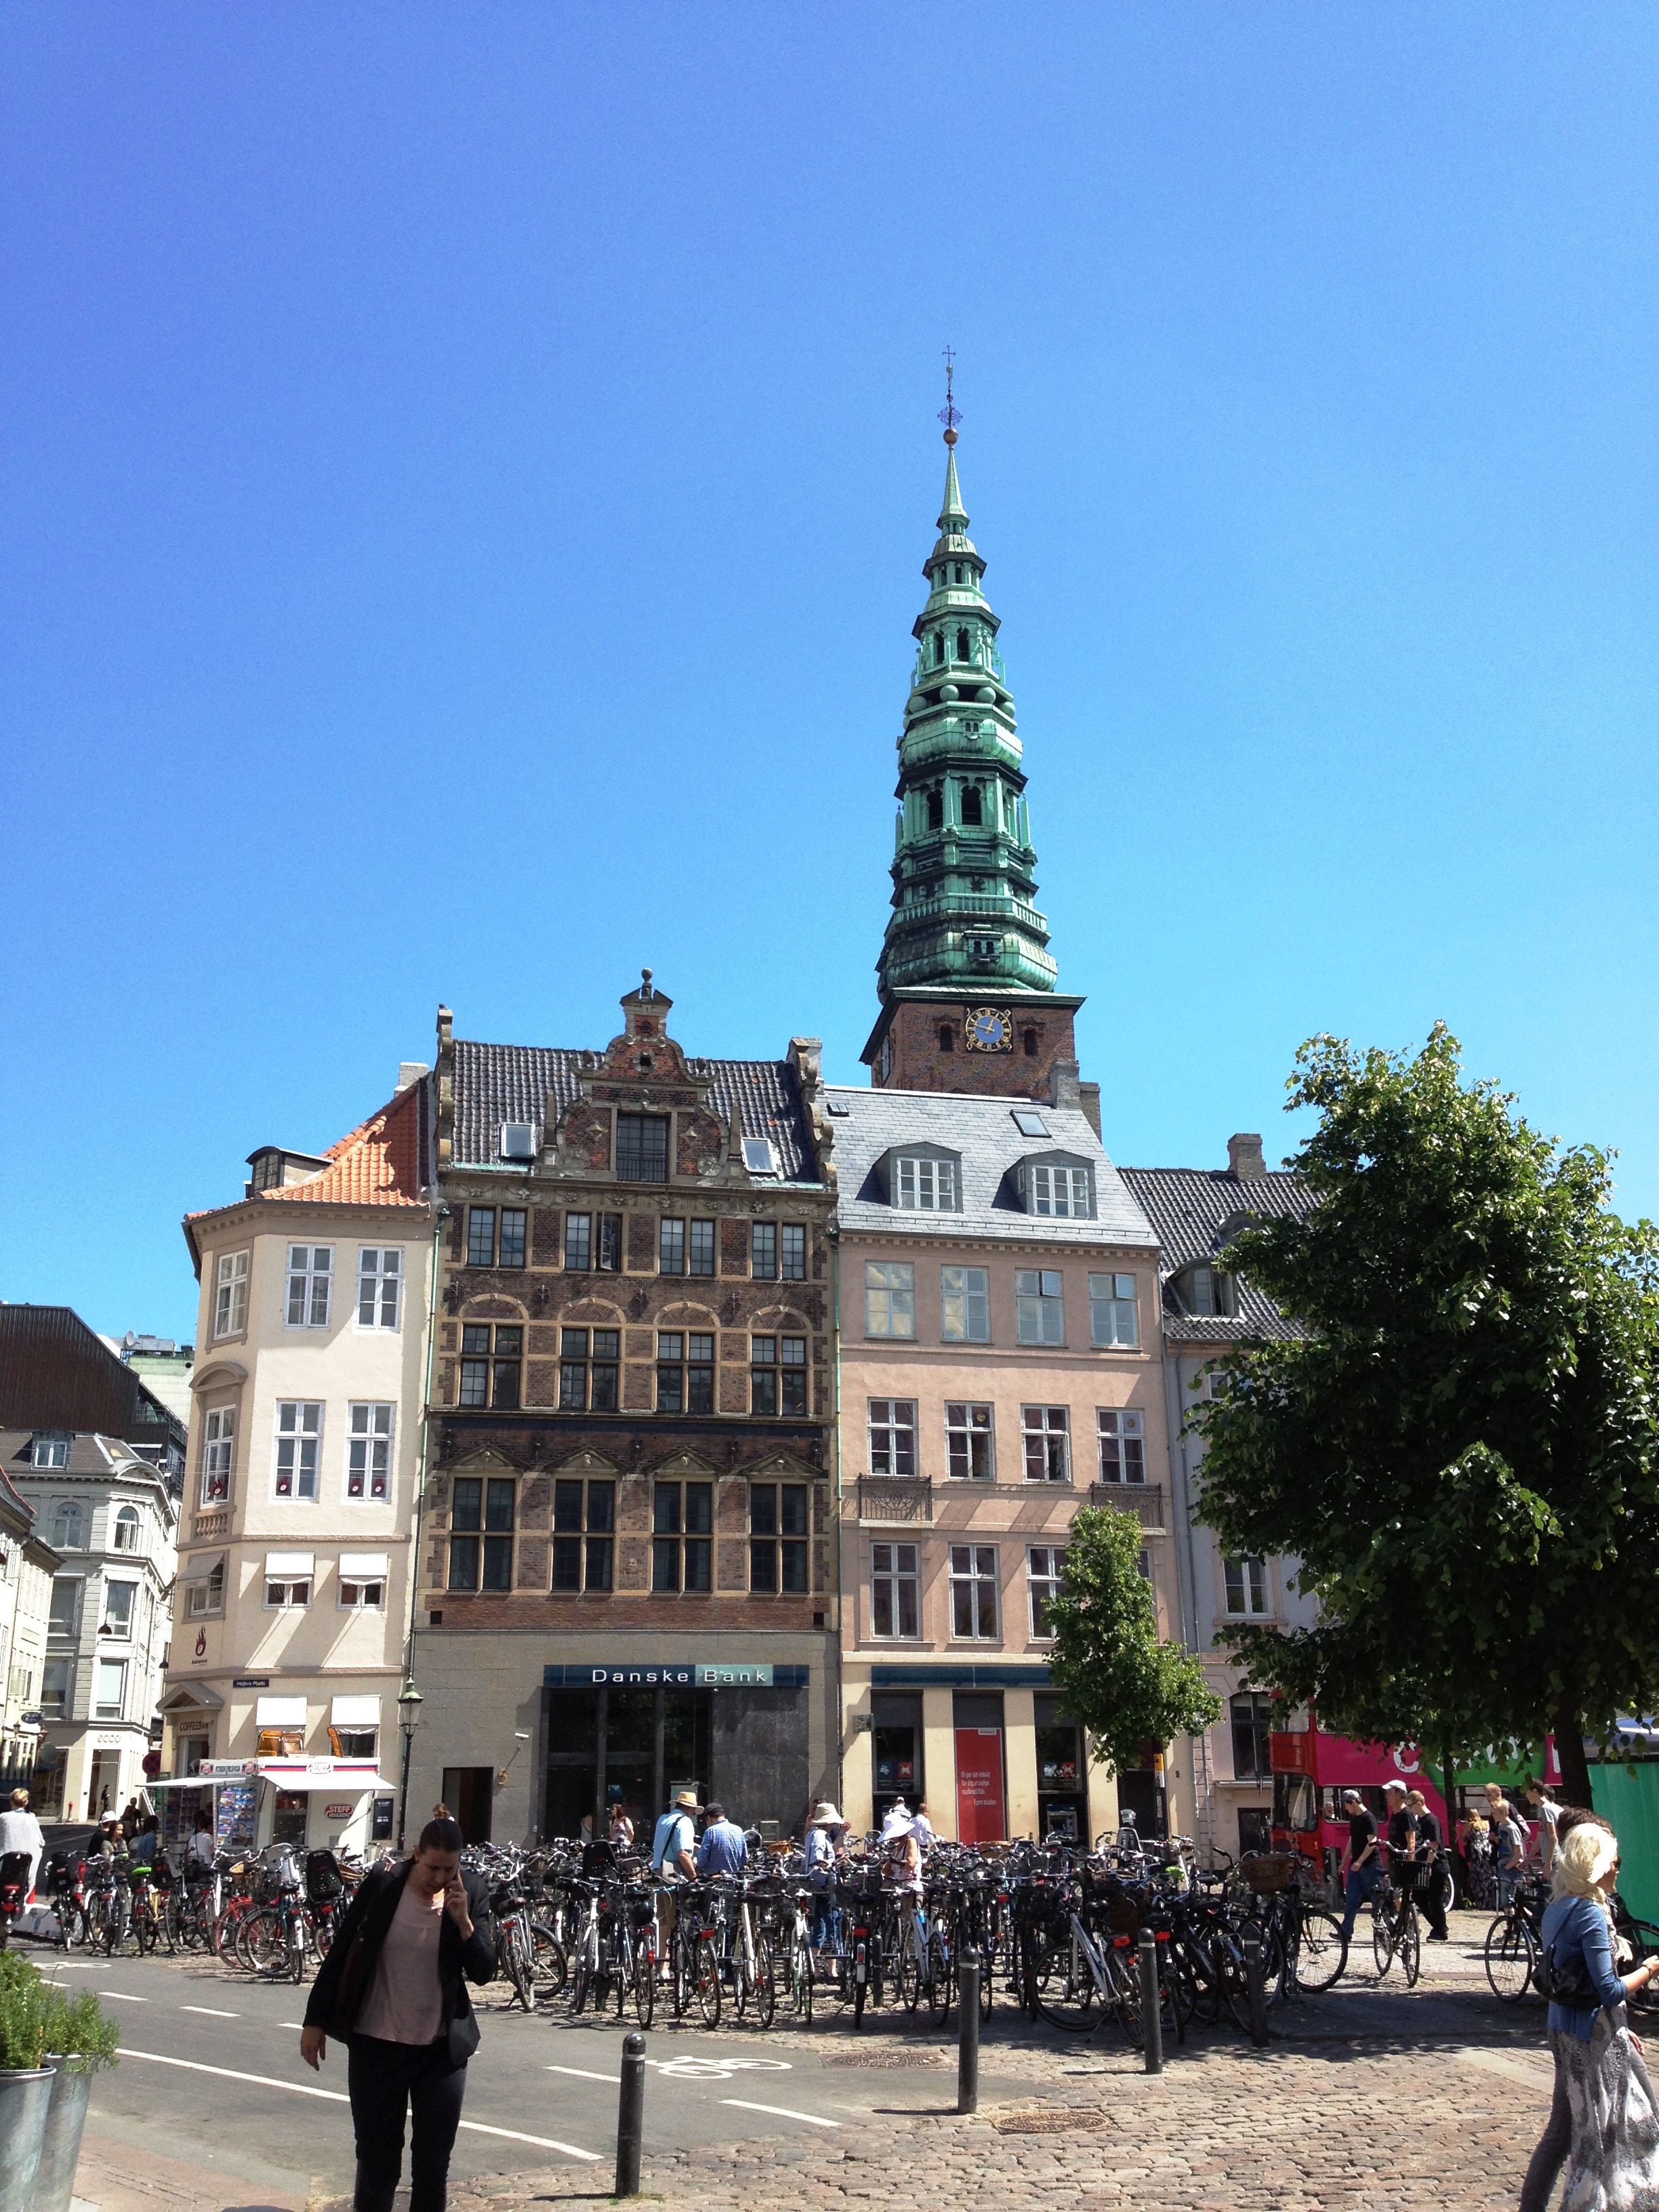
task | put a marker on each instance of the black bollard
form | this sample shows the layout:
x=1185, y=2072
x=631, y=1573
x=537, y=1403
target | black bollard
x=1255, y=1985
x=967, y=2032
x=630, y=2116
x=1152, y=2012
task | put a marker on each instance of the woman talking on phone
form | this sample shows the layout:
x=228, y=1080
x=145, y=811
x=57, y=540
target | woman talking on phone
x=391, y=1990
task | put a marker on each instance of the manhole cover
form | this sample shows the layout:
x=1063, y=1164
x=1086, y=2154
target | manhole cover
x=1047, y=2123
x=883, y=2058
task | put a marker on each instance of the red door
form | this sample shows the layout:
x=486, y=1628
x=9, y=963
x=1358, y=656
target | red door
x=979, y=1814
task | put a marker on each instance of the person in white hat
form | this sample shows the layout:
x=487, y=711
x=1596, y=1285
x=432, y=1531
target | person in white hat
x=897, y=1820
x=824, y=1848
x=900, y=1847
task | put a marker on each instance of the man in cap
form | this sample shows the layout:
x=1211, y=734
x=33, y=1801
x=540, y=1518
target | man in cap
x=1362, y=1870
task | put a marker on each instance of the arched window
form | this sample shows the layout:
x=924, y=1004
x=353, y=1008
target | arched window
x=947, y=1037
x=973, y=806
x=127, y=1528
x=1031, y=1044
x=939, y=652
x=66, y=1526
x=959, y=572
x=936, y=810
x=964, y=646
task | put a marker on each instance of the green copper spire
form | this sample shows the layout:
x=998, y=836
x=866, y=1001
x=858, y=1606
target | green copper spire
x=963, y=881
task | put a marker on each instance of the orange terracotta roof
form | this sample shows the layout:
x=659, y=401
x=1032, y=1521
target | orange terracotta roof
x=378, y=1164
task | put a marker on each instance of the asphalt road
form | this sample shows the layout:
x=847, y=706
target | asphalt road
x=211, y=2070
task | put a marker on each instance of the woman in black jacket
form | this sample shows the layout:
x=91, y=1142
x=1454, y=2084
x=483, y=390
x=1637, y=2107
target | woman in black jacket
x=392, y=1990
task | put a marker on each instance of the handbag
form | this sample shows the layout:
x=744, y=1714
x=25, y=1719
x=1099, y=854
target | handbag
x=1571, y=1987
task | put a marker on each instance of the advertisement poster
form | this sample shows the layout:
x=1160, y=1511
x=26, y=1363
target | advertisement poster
x=235, y=1830
x=980, y=1818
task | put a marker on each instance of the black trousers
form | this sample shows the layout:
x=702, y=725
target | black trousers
x=1551, y=2155
x=386, y=2080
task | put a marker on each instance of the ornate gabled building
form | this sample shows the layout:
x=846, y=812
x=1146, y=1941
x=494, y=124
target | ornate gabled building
x=967, y=984
x=627, y=1566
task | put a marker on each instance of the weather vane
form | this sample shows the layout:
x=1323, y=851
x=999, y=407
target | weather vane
x=949, y=414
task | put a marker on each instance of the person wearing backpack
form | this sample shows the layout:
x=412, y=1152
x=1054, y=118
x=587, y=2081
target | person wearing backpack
x=1604, y=2117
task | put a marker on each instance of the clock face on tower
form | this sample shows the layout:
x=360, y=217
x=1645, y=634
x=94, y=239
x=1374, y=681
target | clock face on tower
x=988, y=1029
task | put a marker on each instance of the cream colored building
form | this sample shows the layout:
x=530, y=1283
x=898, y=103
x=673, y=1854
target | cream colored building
x=28, y=1564
x=998, y=1367
x=291, y=1616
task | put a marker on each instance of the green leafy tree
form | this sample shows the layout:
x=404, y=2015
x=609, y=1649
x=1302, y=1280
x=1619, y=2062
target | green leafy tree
x=1128, y=1688
x=1460, y=1447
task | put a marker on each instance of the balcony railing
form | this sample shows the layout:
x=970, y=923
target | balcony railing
x=207, y=1526
x=896, y=1501
x=1144, y=1498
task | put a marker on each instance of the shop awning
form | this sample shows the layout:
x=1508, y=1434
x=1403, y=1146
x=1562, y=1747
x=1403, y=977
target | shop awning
x=355, y=1712
x=201, y=1566
x=289, y=1566
x=331, y=1786
x=364, y=1566
x=280, y=1712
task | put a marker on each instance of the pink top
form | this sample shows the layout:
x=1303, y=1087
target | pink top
x=405, y=2002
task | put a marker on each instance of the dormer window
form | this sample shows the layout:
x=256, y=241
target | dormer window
x=1059, y=1190
x=758, y=1155
x=1205, y=1290
x=50, y=1452
x=641, y=1148
x=925, y=1185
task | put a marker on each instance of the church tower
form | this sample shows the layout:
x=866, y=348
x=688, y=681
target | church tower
x=966, y=979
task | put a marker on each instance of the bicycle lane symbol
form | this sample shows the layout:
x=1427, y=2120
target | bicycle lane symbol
x=685, y=2068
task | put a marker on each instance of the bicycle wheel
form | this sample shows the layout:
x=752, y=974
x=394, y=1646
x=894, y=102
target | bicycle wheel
x=684, y=1974
x=1199, y=1970
x=1510, y=1957
x=1319, y=1953
x=262, y=1944
x=939, y=1980
x=766, y=1984
x=1065, y=1986
x=517, y=1963
x=143, y=1929
x=909, y=1972
x=645, y=1985
x=582, y=1983
x=708, y=1983
x=1232, y=1979
x=548, y=1968
x=802, y=1959
x=1382, y=1941
x=1409, y=1946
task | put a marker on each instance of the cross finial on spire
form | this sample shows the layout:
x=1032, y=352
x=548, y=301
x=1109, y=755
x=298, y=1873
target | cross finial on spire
x=949, y=415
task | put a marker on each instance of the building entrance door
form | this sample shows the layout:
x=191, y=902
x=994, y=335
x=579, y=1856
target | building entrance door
x=1062, y=1781
x=104, y=1791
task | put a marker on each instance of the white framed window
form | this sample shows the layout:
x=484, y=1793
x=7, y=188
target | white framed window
x=1047, y=1432
x=68, y=1520
x=1246, y=1584
x=111, y=1689
x=124, y=1530
x=230, y=1294
x=379, y=1286
x=50, y=1452
x=65, y=1619
x=218, y=1451
x=310, y=1279
x=207, y=1595
x=362, y=1597
x=1205, y=1290
x=299, y=1445
x=1217, y=1384
x=894, y=1590
x=57, y=1689
x=889, y=1298
x=974, y=1592
x=1112, y=1318
x=970, y=1442
x=1060, y=1191
x=1045, y=1569
x=892, y=1436
x=925, y=1185
x=292, y=1596
x=118, y=1607
x=368, y=1451
x=965, y=1305
x=1040, y=1305
x=1122, y=1445
x=1144, y=1561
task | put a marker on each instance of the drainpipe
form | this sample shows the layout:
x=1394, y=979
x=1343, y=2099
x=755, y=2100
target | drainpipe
x=440, y=1217
x=833, y=1233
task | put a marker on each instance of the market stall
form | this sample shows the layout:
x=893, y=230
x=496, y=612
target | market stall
x=319, y=1804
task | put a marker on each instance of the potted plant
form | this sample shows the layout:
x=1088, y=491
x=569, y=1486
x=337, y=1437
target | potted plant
x=80, y=2039
x=25, y=2083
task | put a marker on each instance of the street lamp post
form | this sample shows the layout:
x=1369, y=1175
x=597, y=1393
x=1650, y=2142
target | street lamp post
x=409, y=1719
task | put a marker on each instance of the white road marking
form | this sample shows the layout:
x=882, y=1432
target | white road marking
x=688, y=2068
x=781, y=2113
x=582, y=2073
x=122, y=1997
x=212, y=2012
x=339, y=2097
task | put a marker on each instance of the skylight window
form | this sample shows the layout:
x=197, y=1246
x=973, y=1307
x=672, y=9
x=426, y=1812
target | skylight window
x=1031, y=1124
x=758, y=1157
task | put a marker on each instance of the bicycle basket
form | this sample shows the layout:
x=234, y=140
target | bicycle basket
x=1269, y=1872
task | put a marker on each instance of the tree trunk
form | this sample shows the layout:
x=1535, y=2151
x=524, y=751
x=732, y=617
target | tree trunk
x=1570, y=1757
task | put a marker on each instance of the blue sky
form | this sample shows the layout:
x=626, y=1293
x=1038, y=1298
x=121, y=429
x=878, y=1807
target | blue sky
x=464, y=480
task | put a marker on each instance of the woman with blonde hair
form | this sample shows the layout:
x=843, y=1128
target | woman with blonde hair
x=1604, y=2118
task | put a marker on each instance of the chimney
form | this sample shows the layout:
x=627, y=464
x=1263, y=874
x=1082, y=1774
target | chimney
x=1063, y=1086
x=409, y=1071
x=1244, y=1161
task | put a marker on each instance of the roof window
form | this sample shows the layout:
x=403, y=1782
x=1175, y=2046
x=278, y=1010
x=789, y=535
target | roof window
x=758, y=1155
x=1030, y=1123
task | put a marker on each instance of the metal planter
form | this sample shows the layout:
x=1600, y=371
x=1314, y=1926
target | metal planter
x=60, y=2140
x=25, y=2099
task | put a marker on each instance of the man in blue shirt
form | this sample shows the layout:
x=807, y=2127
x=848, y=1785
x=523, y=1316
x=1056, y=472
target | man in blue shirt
x=675, y=1839
x=722, y=1851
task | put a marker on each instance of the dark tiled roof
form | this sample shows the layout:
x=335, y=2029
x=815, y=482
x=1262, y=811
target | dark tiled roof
x=497, y=1083
x=1195, y=1211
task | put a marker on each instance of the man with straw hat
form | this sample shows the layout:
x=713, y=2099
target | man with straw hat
x=825, y=1847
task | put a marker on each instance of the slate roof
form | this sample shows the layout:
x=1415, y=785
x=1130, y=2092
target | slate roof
x=382, y=1162
x=89, y=1453
x=497, y=1083
x=1193, y=1212
x=982, y=1130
